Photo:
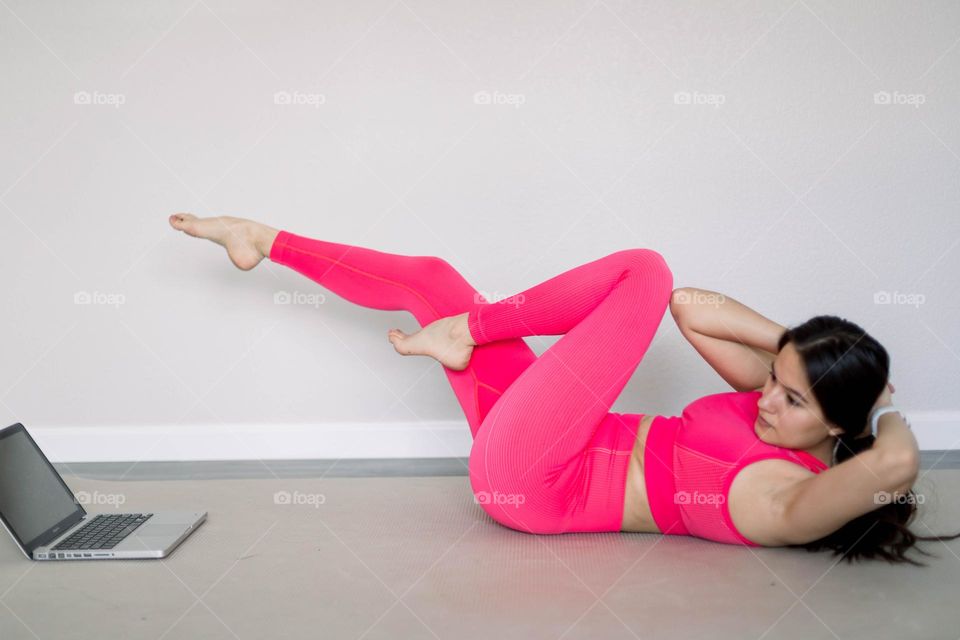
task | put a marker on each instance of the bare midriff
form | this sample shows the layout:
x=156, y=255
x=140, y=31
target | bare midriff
x=636, y=506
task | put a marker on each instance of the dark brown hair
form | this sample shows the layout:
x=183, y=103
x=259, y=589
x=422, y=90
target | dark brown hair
x=848, y=369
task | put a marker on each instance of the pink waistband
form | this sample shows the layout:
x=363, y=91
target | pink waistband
x=659, y=476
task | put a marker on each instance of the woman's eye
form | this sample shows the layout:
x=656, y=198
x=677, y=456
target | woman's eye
x=789, y=398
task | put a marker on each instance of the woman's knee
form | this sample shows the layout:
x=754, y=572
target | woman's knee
x=650, y=265
x=642, y=257
x=650, y=258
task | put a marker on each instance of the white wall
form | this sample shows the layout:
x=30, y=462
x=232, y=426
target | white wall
x=783, y=183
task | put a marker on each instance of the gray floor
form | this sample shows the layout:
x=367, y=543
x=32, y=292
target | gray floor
x=412, y=556
x=328, y=468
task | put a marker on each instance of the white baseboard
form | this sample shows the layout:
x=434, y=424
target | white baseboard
x=934, y=430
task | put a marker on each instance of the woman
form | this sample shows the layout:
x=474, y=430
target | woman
x=778, y=462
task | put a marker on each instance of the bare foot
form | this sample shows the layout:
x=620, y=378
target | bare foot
x=447, y=340
x=247, y=242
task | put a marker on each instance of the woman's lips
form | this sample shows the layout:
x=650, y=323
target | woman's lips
x=764, y=422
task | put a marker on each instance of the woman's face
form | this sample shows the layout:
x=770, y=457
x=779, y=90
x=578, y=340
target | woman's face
x=793, y=415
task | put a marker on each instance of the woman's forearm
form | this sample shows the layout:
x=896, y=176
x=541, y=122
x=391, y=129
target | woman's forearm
x=720, y=316
x=895, y=436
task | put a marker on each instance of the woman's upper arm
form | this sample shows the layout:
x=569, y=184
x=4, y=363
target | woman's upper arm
x=819, y=505
x=743, y=367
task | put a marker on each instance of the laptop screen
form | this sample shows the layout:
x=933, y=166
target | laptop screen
x=35, y=503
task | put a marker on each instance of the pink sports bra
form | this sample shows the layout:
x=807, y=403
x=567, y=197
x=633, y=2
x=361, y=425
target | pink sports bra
x=690, y=462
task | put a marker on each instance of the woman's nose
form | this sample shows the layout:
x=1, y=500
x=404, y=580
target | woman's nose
x=764, y=403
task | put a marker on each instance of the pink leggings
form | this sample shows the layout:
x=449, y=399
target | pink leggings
x=548, y=456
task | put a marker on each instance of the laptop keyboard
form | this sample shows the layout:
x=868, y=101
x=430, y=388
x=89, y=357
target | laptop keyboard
x=105, y=531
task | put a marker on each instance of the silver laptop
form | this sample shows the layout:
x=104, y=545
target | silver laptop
x=48, y=523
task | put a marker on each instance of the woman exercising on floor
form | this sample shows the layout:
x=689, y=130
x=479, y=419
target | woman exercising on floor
x=778, y=462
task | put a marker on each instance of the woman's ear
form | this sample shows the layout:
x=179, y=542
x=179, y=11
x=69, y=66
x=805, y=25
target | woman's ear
x=835, y=431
